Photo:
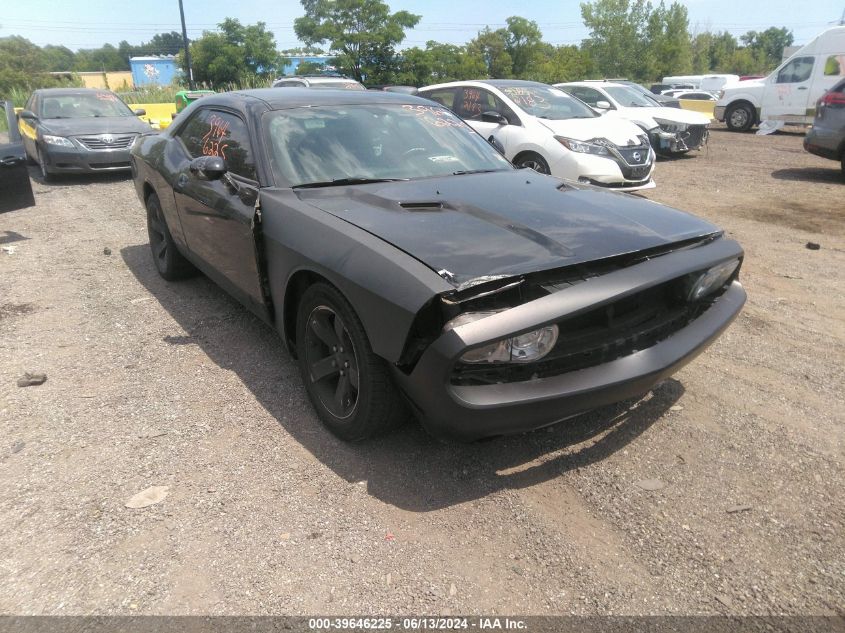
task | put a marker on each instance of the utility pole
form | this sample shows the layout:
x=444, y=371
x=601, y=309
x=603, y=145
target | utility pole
x=190, y=66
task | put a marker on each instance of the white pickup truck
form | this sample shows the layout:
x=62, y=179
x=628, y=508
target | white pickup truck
x=790, y=93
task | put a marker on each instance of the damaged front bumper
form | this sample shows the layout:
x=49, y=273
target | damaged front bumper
x=451, y=408
x=678, y=139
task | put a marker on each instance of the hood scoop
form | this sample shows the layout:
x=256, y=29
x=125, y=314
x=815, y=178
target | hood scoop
x=422, y=206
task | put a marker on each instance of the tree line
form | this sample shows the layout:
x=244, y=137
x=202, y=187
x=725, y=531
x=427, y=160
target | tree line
x=634, y=39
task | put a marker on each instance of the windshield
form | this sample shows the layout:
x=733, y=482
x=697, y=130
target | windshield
x=645, y=92
x=547, y=103
x=335, y=143
x=628, y=97
x=83, y=105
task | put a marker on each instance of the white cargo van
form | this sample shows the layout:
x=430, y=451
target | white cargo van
x=790, y=93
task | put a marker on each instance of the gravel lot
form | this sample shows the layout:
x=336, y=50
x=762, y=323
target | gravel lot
x=158, y=384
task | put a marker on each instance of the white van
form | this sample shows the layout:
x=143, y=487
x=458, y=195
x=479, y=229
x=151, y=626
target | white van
x=790, y=93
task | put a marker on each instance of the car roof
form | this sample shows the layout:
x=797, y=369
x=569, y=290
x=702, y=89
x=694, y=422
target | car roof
x=63, y=92
x=592, y=84
x=495, y=83
x=283, y=99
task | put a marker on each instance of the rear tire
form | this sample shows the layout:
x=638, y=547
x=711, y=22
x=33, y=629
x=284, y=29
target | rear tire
x=349, y=386
x=530, y=160
x=169, y=262
x=740, y=117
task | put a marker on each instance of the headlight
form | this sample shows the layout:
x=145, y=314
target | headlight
x=671, y=126
x=582, y=147
x=710, y=280
x=59, y=141
x=524, y=348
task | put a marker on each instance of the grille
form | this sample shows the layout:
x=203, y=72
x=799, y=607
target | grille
x=696, y=136
x=599, y=336
x=106, y=141
x=629, y=155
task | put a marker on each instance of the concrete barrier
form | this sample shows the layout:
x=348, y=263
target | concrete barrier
x=159, y=115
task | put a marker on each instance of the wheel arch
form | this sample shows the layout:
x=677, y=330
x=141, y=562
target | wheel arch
x=295, y=288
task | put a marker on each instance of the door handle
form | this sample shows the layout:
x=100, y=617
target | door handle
x=802, y=87
x=11, y=161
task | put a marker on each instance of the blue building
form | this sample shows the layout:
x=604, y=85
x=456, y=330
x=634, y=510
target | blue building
x=149, y=71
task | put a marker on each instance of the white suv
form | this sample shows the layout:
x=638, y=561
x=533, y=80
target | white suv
x=547, y=130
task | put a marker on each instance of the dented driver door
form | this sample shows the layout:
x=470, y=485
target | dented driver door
x=218, y=210
x=15, y=186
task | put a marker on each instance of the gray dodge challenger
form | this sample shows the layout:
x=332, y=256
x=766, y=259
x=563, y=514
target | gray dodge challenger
x=410, y=268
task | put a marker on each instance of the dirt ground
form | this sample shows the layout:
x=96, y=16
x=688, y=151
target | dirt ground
x=159, y=384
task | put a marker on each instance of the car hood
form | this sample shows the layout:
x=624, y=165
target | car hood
x=619, y=131
x=504, y=223
x=675, y=115
x=94, y=125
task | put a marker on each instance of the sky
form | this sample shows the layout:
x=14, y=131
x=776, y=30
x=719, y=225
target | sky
x=92, y=23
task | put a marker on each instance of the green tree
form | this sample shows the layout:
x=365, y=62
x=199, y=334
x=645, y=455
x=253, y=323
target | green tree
x=669, y=47
x=310, y=68
x=57, y=58
x=103, y=59
x=24, y=67
x=491, y=47
x=618, y=39
x=363, y=33
x=768, y=45
x=234, y=54
x=523, y=42
x=438, y=63
x=556, y=64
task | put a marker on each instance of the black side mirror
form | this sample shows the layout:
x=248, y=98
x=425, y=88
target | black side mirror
x=208, y=167
x=497, y=144
x=491, y=116
x=139, y=112
x=28, y=114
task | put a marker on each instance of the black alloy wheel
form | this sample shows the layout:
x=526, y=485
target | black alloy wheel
x=168, y=260
x=332, y=363
x=535, y=162
x=349, y=385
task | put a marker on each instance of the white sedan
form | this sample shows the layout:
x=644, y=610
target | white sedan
x=670, y=130
x=545, y=129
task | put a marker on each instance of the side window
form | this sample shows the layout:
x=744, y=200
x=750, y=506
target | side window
x=834, y=66
x=443, y=97
x=587, y=95
x=472, y=102
x=796, y=71
x=218, y=133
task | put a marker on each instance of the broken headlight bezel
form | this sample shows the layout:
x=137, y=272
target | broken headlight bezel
x=528, y=347
x=700, y=285
x=671, y=126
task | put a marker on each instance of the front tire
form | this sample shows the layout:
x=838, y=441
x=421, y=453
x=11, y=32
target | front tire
x=169, y=262
x=349, y=386
x=740, y=117
x=533, y=161
x=46, y=174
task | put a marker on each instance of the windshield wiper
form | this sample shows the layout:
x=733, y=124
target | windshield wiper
x=337, y=182
x=464, y=172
